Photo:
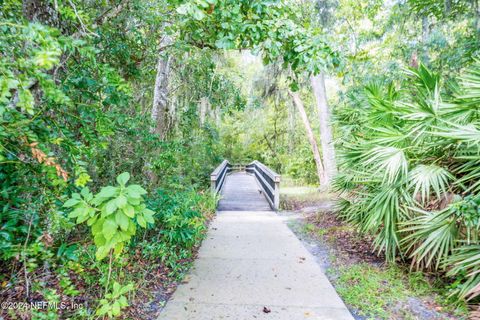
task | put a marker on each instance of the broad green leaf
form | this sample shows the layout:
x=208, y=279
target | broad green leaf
x=123, y=301
x=70, y=203
x=97, y=226
x=117, y=250
x=107, y=192
x=104, y=308
x=123, y=178
x=116, y=289
x=75, y=213
x=148, y=215
x=141, y=221
x=102, y=252
x=135, y=191
x=129, y=211
x=122, y=220
x=121, y=201
x=26, y=101
x=116, y=308
x=92, y=220
x=99, y=240
x=83, y=216
x=86, y=194
x=134, y=201
x=109, y=228
x=125, y=289
x=111, y=206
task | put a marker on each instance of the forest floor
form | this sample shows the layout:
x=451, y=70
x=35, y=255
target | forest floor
x=369, y=287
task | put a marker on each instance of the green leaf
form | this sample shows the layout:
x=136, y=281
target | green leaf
x=97, y=226
x=102, y=310
x=84, y=215
x=123, y=301
x=116, y=289
x=109, y=228
x=183, y=9
x=75, y=213
x=70, y=203
x=125, y=289
x=102, y=252
x=117, y=250
x=25, y=101
x=141, y=221
x=129, y=211
x=123, y=178
x=121, y=201
x=107, y=192
x=134, y=201
x=135, y=191
x=122, y=220
x=148, y=215
x=116, y=308
x=111, y=206
x=225, y=43
x=92, y=220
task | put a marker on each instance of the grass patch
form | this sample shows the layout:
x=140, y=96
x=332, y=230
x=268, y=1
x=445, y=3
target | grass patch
x=378, y=292
x=294, y=196
x=370, y=289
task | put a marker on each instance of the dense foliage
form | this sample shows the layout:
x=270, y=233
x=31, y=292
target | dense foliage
x=76, y=85
x=412, y=178
x=92, y=180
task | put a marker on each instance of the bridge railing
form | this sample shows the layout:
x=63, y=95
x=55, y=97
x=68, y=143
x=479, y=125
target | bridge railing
x=217, y=177
x=268, y=180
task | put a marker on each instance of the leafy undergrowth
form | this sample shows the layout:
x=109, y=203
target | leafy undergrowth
x=73, y=281
x=371, y=288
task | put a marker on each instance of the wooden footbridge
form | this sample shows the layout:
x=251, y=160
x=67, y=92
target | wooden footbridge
x=251, y=187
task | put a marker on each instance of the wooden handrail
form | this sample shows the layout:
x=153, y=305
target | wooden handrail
x=217, y=177
x=268, y=180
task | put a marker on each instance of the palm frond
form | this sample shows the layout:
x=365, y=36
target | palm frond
x=389, y=160
x=385, y=211
x=466, y=259
x=431, y=236
x=427, y=178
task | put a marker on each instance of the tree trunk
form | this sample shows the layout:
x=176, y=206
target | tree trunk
x=291, y=128
x=476, y=8
x=425, y=35
x=160, y=93
x=203, y=110
x=311, y=138
x=326, y=135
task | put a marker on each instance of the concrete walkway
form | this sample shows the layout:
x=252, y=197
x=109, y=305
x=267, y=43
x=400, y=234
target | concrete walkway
x=251, y=266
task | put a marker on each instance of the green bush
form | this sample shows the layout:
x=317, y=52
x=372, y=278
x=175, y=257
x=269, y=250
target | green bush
x=410, y=172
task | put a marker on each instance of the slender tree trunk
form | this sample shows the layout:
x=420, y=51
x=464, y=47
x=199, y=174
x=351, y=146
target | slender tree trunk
x=425, y=35
x=476, y=8
x=326, y=135
x=311, y=138
x=447, y=7
x=291, y=127
x=203, y=110
x=217, y=115
x=160, y=93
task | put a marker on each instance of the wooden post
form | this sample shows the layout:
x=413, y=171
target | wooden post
x=276, y=197
x=213, y=183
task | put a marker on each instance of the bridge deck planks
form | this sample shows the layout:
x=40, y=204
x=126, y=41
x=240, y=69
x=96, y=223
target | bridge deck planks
x=241, y=192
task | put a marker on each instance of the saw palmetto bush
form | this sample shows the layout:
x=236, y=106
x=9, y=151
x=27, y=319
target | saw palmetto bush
x=411, y=172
